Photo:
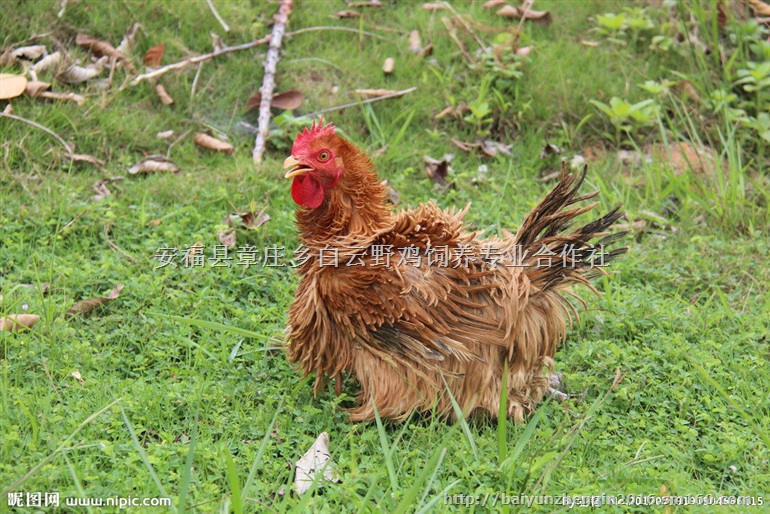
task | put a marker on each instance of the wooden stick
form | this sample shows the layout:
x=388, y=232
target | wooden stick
x=199, y=58
x=268, y=82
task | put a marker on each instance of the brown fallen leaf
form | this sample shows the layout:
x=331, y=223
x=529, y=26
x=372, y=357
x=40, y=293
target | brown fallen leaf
x=492, y=3
x=388, y=65
x=166, y=134
x=62, y=97
x=165, y=99
x=103, y=48
x=589, y=43
x=154, y=223
x=101, y=190
x=541, y=17
x=16, y=322
x=154, y=55
x=153, y=164
x=372, y=93
x=433, y=7
x=288, y=100
x=759, y=7
x=457, y=111
x=80, y=157
x=426, y=50
x=437, y=170
x=12, y=85
x=524, y=51
x=492, y=148
x=348, y=13
x=34, y=87
x=84, y=306
x=250, y=220
x=370, y=3
x=227, y=238
x=211, y=143
x=77, y=376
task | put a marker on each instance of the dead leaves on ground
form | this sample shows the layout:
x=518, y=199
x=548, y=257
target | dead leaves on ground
x=212, y=143
x=153, y=164
x=510, y=12
x=90, y=304
x=288, y=100
x=17, y=322
x=488, y=147
x=316, y=460
x=437, y=170
x=11, y=85
x=154, y=56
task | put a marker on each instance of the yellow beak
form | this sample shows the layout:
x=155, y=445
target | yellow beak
x=297, y=167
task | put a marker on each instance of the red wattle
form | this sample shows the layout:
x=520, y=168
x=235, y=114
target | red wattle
x=307, y=192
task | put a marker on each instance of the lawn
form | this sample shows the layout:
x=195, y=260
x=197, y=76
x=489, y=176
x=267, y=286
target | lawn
x=178, y=388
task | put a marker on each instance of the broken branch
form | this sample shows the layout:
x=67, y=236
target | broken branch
x=268, y=83
x=199, y=58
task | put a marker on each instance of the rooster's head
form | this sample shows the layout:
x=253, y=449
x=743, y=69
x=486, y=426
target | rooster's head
x=315, y=163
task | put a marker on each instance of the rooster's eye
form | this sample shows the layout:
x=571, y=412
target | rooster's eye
x=324, y=156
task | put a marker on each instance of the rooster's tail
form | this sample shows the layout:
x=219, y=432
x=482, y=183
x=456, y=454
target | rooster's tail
x=555, y=257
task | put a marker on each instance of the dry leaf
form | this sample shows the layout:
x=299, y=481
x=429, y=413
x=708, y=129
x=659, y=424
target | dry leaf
x=154, y=223
x=154, y=55
x=541, y=17
x=415, y=42
x=549, y=149
x=217, y=42
x=68, y=97
x=316, y=460
x=524, y=51
x=227, y=238
x=34, y=87
x=250, y=220
x=456, y=111
x=288, y=100
x=29, y=53
x=212, y=143
x=101, y=190
x=433, y=7
x=103, y=48
x=48, y=63
x=127, y=43
x=77, y=376
x=370, y=3
x=8, y=109
x=80, y=157
x=16, y=322
x=759, y=7
x=43, y=287
x=388, y=65
x=588, y=43
x=492, y=3
x=75, y=74
x=84, y=306
x=163, y=95
x=11, y=85
x=166, y=134
x=437, y=170
x=492, y=148
x=153, y=164
x=348, y=13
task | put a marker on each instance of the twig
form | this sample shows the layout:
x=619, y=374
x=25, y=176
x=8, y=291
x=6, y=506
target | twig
x=395, y=94
x=195, y=81
x=344, y=29
x=466, y=25
x=199, y=58
x=268, y=82
x=217, y=16
x=526, y=6
x=41, y=127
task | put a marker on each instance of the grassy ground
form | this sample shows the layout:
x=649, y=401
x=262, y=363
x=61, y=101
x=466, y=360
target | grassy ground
x=172, y=405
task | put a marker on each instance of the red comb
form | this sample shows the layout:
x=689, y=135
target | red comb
x=317, y=129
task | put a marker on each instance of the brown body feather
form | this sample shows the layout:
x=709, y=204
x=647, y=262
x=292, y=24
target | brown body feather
x=405, y=329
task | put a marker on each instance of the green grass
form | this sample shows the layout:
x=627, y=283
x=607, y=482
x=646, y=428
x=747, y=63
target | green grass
x=184, y=393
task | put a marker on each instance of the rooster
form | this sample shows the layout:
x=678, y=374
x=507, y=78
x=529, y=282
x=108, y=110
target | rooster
x=415, y=306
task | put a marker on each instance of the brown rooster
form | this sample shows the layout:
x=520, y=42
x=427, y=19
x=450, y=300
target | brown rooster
x=415, y=306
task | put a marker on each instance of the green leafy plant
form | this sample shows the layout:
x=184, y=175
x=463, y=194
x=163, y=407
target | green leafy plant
x=627, y=117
